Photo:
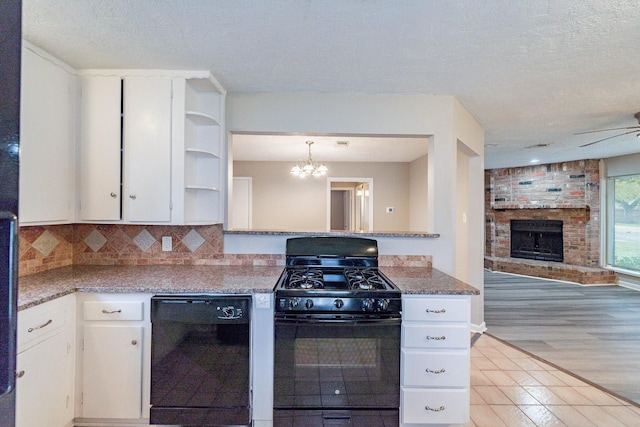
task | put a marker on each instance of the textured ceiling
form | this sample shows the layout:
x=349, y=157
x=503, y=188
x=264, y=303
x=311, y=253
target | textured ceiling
x=531, y=72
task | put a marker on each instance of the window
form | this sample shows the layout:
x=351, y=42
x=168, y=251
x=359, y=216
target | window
x=624, y=224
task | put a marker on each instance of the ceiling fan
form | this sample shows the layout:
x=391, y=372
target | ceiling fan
x=636, y=129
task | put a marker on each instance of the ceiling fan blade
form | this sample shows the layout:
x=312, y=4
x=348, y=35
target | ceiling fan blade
x=610, y=137
x=604, y=130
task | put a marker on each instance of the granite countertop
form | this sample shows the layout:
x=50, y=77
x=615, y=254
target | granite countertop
x=308, y=233
x=42, y=287
x=38, y=288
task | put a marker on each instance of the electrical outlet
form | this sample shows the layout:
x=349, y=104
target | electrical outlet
x=390, y=209
x=167, y=245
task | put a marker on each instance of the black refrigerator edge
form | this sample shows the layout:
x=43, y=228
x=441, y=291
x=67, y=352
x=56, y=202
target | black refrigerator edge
x=10, y=52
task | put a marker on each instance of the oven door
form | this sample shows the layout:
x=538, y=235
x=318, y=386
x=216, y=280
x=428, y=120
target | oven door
x=337, y=364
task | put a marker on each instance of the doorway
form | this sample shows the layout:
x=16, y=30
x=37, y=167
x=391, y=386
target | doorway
x=350, y=204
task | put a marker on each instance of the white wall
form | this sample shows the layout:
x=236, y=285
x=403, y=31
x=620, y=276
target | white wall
x=282, y=201
x=442, y=118
x=418, y=189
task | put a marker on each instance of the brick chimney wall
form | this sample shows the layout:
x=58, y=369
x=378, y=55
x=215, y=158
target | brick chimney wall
x=567, y=191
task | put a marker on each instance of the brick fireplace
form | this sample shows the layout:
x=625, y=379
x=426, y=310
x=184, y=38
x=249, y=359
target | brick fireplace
x=566, y=192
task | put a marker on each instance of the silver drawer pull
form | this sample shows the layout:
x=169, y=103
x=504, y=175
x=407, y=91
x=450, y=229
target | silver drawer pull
x=436, y=338
x=35, y=328
x=439, y=371
x=20, y=374
x=434, y=409
x=114, y=195
x=134, y=342
x=111, y=312
x=441, y=311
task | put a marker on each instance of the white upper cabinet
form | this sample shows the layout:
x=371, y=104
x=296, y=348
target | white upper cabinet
x=151, y=149
x=47, y=139
x=199, y=112
x=99, y=154
x=147, y=149
x=125, y=149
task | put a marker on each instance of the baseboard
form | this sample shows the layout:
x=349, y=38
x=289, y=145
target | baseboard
x=479, y=329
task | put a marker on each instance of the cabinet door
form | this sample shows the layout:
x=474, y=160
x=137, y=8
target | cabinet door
x=100, y=148
x=41, y=387
x=112, y=382
x=46, y=141
x=147, y=149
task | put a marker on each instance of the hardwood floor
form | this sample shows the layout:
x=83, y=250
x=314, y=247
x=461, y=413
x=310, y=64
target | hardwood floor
x=590, y=331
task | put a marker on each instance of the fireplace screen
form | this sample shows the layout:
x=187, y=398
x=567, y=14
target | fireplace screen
x=537, y=239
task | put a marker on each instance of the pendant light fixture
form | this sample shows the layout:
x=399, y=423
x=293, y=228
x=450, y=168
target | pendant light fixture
x=309, y=167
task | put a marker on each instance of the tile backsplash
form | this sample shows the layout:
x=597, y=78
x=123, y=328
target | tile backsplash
x=52, y=246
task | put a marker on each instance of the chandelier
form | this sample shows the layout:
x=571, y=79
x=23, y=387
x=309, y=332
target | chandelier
x=309, y=167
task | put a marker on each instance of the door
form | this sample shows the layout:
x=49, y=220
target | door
x=112, y=383
x=100, y=148
x=341, y=210
x=147, y=149
x=241, y=203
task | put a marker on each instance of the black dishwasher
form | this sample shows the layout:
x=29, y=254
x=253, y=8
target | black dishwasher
x=200, y=360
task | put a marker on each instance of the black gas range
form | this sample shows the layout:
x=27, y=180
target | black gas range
x=335, y=276
x=337, y=336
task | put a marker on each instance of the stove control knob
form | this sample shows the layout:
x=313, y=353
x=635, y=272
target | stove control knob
x=367, y=304
x=293, y=303
x=308, y=304
x=338, y=303
x=383, y=304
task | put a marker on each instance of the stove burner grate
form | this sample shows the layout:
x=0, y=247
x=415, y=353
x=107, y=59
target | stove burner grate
x=364, y=279
x=306, y=279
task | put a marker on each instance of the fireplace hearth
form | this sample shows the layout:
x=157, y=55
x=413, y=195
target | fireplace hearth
x=537, y=239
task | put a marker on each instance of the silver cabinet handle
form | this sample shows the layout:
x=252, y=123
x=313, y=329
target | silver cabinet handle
x=114, y=195
x=434, y=409
x=436, y=338
x=439, y=371
x=132, y=196
x=35, y=328
x=111, y=312
x=20, y=374
x=134, y=342
x=442, y=310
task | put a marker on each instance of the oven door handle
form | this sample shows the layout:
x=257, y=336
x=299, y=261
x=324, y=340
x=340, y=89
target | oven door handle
x=333, y=321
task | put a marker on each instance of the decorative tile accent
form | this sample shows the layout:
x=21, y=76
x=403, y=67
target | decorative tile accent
x=144, y=240
x=46, y=243
x=95, y=240
x=193, y=240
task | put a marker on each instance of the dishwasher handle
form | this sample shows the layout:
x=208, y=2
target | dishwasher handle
x=201, y=309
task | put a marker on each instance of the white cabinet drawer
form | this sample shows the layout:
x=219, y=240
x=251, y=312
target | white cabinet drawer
x=37, y=323
x=442, y=406
x=432, y=309
x=113, y=310
x=435, y=369
x=420, y=335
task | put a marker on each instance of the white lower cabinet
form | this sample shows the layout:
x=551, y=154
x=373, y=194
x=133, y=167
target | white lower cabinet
x=113, y=366
x=112, y=383
x=44, y=387
x=435, y=362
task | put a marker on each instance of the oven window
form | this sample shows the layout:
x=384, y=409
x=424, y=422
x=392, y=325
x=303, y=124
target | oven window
x=337, y=366
x=337, y=353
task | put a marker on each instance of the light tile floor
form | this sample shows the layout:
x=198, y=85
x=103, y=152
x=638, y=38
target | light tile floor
x=510, y=388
